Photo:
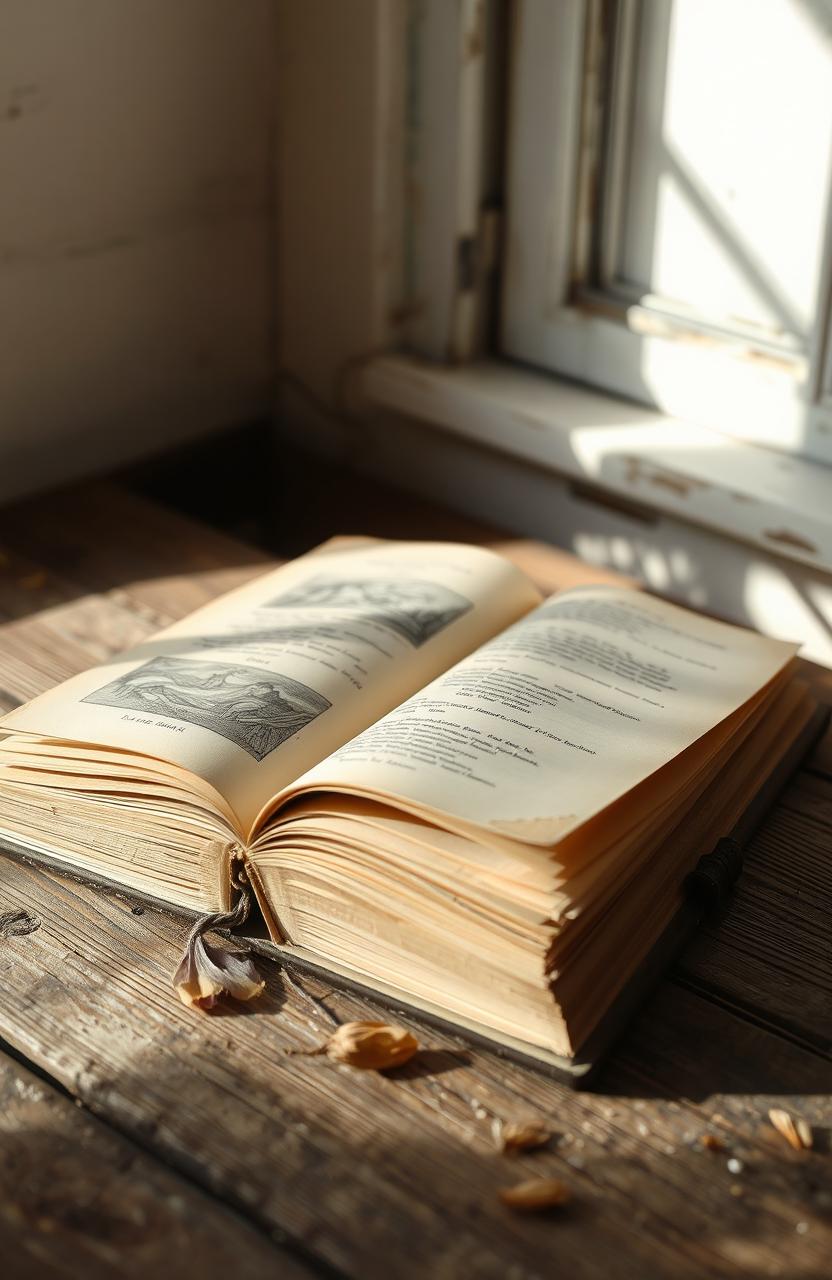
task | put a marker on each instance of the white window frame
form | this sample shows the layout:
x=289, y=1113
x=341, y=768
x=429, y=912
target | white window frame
x=710, y=520
x=445, y=110
x=722, y=382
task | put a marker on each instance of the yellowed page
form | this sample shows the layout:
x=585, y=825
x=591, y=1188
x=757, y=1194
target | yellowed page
x=559, y=716
x=253, y=689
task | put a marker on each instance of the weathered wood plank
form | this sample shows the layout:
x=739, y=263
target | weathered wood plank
x=374, y=1175
x=771, y=954
x=372, y=1172
x=87, y=573
x=821, y=758
x=99, y=538
x=79, y=1201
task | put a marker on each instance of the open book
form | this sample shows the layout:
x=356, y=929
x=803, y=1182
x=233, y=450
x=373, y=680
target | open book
x=439, y=785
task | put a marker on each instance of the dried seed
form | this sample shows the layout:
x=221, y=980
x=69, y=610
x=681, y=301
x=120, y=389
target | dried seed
x=535, y=1195
x=371, y=1046
x=711, y=1142
x=797, y=1133
x=512, y=1137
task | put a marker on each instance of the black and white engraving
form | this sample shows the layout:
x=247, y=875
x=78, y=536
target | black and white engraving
x=414, y=608
x=255, y=709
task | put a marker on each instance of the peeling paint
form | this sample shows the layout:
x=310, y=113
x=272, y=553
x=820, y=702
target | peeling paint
x=664, y=478
x=475, y=35
x=642, y=319
x=789, y=539
x=676, y=484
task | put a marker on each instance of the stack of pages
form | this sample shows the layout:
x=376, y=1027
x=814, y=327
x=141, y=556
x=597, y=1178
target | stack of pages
x=439, y=785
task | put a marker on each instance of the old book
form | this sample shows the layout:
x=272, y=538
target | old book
x=438, y=785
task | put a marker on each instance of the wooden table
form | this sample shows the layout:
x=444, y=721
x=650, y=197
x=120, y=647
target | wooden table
x=140, y=1138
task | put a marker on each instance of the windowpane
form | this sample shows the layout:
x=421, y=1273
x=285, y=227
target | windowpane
x=724, y=198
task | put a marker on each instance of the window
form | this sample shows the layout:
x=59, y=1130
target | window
x=668, y=207
x=497, y=223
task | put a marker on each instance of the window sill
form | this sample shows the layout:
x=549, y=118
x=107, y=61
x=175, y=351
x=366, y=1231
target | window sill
x=770, y=500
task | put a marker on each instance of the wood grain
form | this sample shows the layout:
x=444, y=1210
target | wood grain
x=348, y=1164
x=771, y=955
x=74, y=594
x=369, y=1175
x=100, y=537
x=77, y=1199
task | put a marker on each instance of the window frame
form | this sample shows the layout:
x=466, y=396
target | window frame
x=552, y=320
x=493, y=438
x=449, y=229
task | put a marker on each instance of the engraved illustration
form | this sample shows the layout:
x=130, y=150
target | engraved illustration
x=415, y=609
x=255, y=709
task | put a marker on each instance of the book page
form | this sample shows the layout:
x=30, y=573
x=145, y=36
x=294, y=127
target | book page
x=254, y=688
x=560, y=715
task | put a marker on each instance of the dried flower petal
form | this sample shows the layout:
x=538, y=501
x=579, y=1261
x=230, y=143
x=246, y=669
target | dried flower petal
x=512, y=1137
x=712, y=1143
x=804, y=1133
x=797, y=1133
x=209, y=971
x=372, y=1046
x=535, y=1195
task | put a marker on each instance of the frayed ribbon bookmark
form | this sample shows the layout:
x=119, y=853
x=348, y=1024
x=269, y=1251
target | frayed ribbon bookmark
x=209, y=970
